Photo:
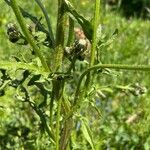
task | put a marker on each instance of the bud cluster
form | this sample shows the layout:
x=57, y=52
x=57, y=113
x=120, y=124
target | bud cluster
x=80, y=47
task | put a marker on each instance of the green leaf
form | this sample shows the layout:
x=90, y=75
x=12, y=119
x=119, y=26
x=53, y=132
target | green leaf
x=99, y=112
x=104, y=38
x=87, y=133
x=22, y=66
x=85, y=24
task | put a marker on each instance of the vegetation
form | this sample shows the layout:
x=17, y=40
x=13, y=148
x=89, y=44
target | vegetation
x=136, y=8
x=130, y=8
x=58, y=91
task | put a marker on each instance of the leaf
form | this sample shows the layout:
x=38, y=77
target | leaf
x=85, y=24
x=34, y=79
x=94, y=105
x=34, y=19
x=87, y=133
x=5, y=65
x=104, y=38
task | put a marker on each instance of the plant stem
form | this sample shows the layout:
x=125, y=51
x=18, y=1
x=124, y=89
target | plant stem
x=51, y=35
x=59, y=83
x=67, y=126
x=27, y=34
x=94, y=39
x=58, y=123
x=112, y=66
x=51, y=109
x=101, y=66
x=59, y=103
x=59, y=36
x=55, y=93
x=71, y=32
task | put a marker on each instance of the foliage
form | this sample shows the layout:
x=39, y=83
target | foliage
x=135, y=7
x=132, y=8
x=56, y=107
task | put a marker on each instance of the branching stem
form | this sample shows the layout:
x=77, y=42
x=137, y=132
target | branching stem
x=94, y=39
x=77, y=97
x=112, y=66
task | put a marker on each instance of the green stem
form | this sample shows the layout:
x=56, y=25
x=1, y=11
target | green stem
x=59, y=102
x=77, y=98
x=51, y=35
x=51, y=110
x=67, y=126
x=59, y=36
x=58, y=65
x=71, y=32
x=58, y=123
x=112, y=66
x=27, y=34
x=94, y=40
x=55, y=92
x=60, y=24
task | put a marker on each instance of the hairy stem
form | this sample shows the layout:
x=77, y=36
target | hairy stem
x=67, y=126
x=59, y=36
x=58, y=123
x=59, y=51
x=59, y=98
x=71, y=32
x=51, y=108
x=27, y=34
x=94, y=39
